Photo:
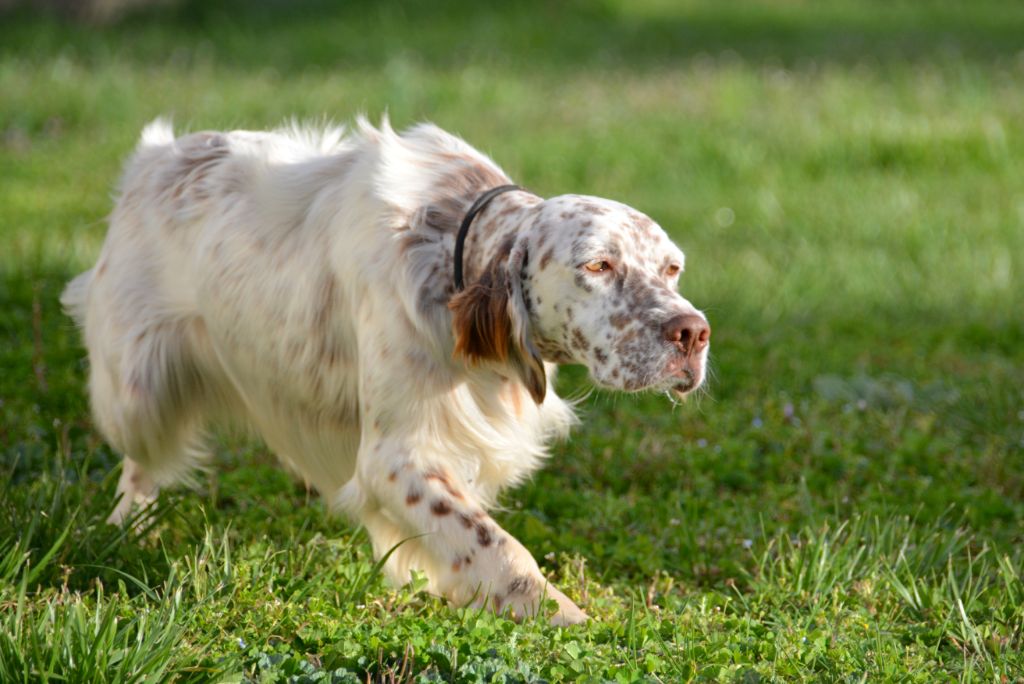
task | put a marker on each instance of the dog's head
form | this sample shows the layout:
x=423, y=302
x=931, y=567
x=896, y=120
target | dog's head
x=587, y=281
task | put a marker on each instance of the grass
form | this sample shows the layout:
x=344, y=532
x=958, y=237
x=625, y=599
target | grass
x=845, y=505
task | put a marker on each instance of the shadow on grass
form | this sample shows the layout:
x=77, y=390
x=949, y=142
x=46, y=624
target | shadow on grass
x=531, y=34
x=52, y=460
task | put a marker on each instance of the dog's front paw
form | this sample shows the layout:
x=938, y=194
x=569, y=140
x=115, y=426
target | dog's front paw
x=529, y=598
x=568, y=612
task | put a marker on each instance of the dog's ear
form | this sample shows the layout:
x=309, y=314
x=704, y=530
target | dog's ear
x=491, y=322
x=528, y=361
x=483, y=329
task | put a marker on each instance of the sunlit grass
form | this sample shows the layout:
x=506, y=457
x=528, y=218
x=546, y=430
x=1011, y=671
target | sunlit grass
x=846, y=502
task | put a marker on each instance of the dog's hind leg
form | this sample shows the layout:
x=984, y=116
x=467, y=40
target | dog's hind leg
x=147, y=397
x=135, y=489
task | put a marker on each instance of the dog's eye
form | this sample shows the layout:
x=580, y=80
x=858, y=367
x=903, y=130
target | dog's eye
x=672, y=271
x=597, y=266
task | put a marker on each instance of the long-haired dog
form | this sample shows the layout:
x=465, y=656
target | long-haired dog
x=305, y=283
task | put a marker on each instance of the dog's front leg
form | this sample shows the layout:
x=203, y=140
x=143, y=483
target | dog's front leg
x=466, y=555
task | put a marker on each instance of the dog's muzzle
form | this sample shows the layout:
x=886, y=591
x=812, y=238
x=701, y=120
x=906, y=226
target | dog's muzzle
x=690, y=334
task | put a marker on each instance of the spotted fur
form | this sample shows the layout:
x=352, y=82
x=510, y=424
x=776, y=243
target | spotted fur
x=300, y=282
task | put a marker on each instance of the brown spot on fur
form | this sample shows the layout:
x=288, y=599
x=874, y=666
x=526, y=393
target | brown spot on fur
x=581, y=281
x=441, y=507
x=520, y=585
x=601, y=356
x=457, y=565
x=620, y=320
x=393, y=475
x=580, y=340
x=483, y=535
x=466, y=521
x=553, y=351
x=413, y=497
x=640, y=221
x=546, y=259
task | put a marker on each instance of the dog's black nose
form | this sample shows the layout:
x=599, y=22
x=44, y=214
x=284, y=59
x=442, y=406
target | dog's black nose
x=689, y=331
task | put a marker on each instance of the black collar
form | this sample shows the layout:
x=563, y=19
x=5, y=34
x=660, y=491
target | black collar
x=479, y=205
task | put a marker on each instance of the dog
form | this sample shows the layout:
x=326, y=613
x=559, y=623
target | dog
x=386, y=311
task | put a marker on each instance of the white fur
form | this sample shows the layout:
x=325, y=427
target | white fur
x=297, y=282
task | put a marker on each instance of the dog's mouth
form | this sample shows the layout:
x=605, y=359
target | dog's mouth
x=685, y=376
x=673, y=373
x=682, y=389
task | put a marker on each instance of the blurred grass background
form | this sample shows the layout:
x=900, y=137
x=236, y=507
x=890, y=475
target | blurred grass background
x=846, y=179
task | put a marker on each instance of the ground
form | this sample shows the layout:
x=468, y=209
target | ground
x=844, y=503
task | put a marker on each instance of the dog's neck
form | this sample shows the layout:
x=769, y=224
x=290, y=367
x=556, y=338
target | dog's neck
x=494, y=230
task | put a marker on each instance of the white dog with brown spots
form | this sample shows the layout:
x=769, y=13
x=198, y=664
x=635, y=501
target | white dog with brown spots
x=303, y=283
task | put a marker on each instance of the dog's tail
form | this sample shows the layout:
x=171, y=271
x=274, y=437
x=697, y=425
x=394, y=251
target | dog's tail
x=157, y=132
x=75, y=297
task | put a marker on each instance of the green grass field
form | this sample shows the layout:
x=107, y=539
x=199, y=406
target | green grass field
x=845, y=504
